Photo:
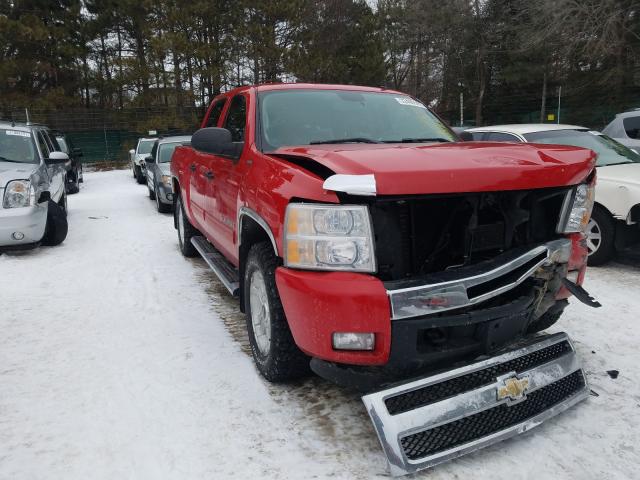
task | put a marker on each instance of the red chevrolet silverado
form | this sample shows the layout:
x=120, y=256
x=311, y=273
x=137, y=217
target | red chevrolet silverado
x=366, y=243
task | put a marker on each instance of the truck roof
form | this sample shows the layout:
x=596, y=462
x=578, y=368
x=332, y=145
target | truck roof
x=263, y=87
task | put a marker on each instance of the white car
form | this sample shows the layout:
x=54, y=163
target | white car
x=615, y=222
x=625, y=128
x=137, y=156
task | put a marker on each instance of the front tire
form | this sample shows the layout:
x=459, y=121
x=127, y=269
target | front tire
x=185, y=230
x=274, y=351
x=600, y=237
x=57, y=227
x=161, y=207
x=138, y=174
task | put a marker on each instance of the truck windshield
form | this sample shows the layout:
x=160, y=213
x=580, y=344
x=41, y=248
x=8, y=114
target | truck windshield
x=609, y=151
x=145, y=146
x=165, y=151
x=17, y=146
x=305, y=117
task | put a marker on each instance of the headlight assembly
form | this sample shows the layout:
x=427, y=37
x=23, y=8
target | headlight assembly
x=19, y=193
x=166, y=180
x=576, y=210
x=329, y=237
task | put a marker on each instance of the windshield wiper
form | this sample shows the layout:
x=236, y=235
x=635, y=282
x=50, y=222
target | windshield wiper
x=421, y=140
x=345, y=140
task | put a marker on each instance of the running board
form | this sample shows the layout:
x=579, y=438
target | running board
x=437, y=418
x=226, y=272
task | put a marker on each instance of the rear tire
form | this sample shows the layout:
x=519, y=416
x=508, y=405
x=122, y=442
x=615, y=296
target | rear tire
x=185, y=230
x=275, y=353
x=600, y=237
x=57, y=227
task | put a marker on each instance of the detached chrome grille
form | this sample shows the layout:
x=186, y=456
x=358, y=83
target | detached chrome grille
x=439, y=391
x=434, y=419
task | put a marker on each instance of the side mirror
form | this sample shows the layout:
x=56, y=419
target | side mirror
x=132, y=152
x=78, y=152
x=56, y=158
x=149, y=159
x=216, y=141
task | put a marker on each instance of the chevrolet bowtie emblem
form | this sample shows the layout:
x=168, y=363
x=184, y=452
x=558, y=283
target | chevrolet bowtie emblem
x=512, y=388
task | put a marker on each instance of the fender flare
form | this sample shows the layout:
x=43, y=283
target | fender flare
x=248, y=212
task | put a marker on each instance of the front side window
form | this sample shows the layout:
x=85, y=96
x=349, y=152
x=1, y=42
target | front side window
x=237, y=118
x=145, y=146
x=304, y=117
x=609, y=151
x=632, y=127
x=216, y=111
x=165, y=151
x=17, y=146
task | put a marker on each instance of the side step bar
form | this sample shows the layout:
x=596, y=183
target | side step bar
x=444, y=416
x=226, y=272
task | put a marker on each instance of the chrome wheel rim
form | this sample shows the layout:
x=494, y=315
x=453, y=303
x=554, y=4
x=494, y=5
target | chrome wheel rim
x=180, y=222
x=260, y=314
x=594, y=236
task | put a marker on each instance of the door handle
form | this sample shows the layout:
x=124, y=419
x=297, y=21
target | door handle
x=192, y=167
x=209, y=175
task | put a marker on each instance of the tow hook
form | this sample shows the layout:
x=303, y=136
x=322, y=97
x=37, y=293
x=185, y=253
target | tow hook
x=580, y=293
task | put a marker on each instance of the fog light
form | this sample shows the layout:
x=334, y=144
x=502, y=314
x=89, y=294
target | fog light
x=353, y=341
x=17, y=236
x=169, y=196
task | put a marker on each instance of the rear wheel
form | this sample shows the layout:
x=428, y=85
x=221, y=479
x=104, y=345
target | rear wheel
x=185, y=230
x=600, y=237
x=274, y=351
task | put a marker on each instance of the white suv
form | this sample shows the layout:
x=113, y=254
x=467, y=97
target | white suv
x=137, y=156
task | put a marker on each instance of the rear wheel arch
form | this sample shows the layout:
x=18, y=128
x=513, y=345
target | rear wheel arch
x=252, y=229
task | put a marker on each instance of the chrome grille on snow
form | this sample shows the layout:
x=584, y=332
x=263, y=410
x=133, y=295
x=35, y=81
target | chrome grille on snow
x=443, y=416
x=438, y=391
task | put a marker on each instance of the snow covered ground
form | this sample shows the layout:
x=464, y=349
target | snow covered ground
x=121, y=359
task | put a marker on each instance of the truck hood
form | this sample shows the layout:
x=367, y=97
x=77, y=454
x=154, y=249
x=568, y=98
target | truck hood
x=401, y=169
x=15, y=171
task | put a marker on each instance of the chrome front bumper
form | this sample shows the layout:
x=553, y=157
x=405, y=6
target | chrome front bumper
x=435, y=419
x=471, y=285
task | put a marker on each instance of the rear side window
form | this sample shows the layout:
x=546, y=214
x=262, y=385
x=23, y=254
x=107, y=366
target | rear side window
x=632, y=127
x=500, y=137
x=216, y=111
x=236, y=118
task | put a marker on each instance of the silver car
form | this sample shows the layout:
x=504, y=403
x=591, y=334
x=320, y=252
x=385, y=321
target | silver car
x=32, y=187
x=158, y=174
x=625, y=128
x=137, y=156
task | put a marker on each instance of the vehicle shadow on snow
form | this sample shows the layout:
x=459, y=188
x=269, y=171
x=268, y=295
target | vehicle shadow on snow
x=338, y=414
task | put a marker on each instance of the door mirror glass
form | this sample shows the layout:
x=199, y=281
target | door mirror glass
x=56, y=158
x=216, y=141
x=149, y=159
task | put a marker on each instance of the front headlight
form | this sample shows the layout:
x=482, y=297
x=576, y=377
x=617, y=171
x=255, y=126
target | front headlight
x=19, y=193
x=577, y=207
x=166, y=180
x=329, y=237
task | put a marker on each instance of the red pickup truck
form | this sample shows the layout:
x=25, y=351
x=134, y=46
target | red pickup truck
x=364, y=241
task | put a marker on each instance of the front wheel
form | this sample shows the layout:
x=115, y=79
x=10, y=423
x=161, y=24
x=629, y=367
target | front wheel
x=600, y=237
x=57, y=226
x=185, y=230
x=274, y=351
x=160, y=206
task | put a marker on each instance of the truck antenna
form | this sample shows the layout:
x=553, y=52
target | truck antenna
x=26, y=111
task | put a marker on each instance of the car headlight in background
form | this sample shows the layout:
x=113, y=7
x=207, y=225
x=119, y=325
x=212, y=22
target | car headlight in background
x=329, y=237
x=166, y=180
x=577, y=208
x=19, y=193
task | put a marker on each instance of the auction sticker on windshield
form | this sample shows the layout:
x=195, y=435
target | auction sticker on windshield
x=18, y=133
x=409, y=101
